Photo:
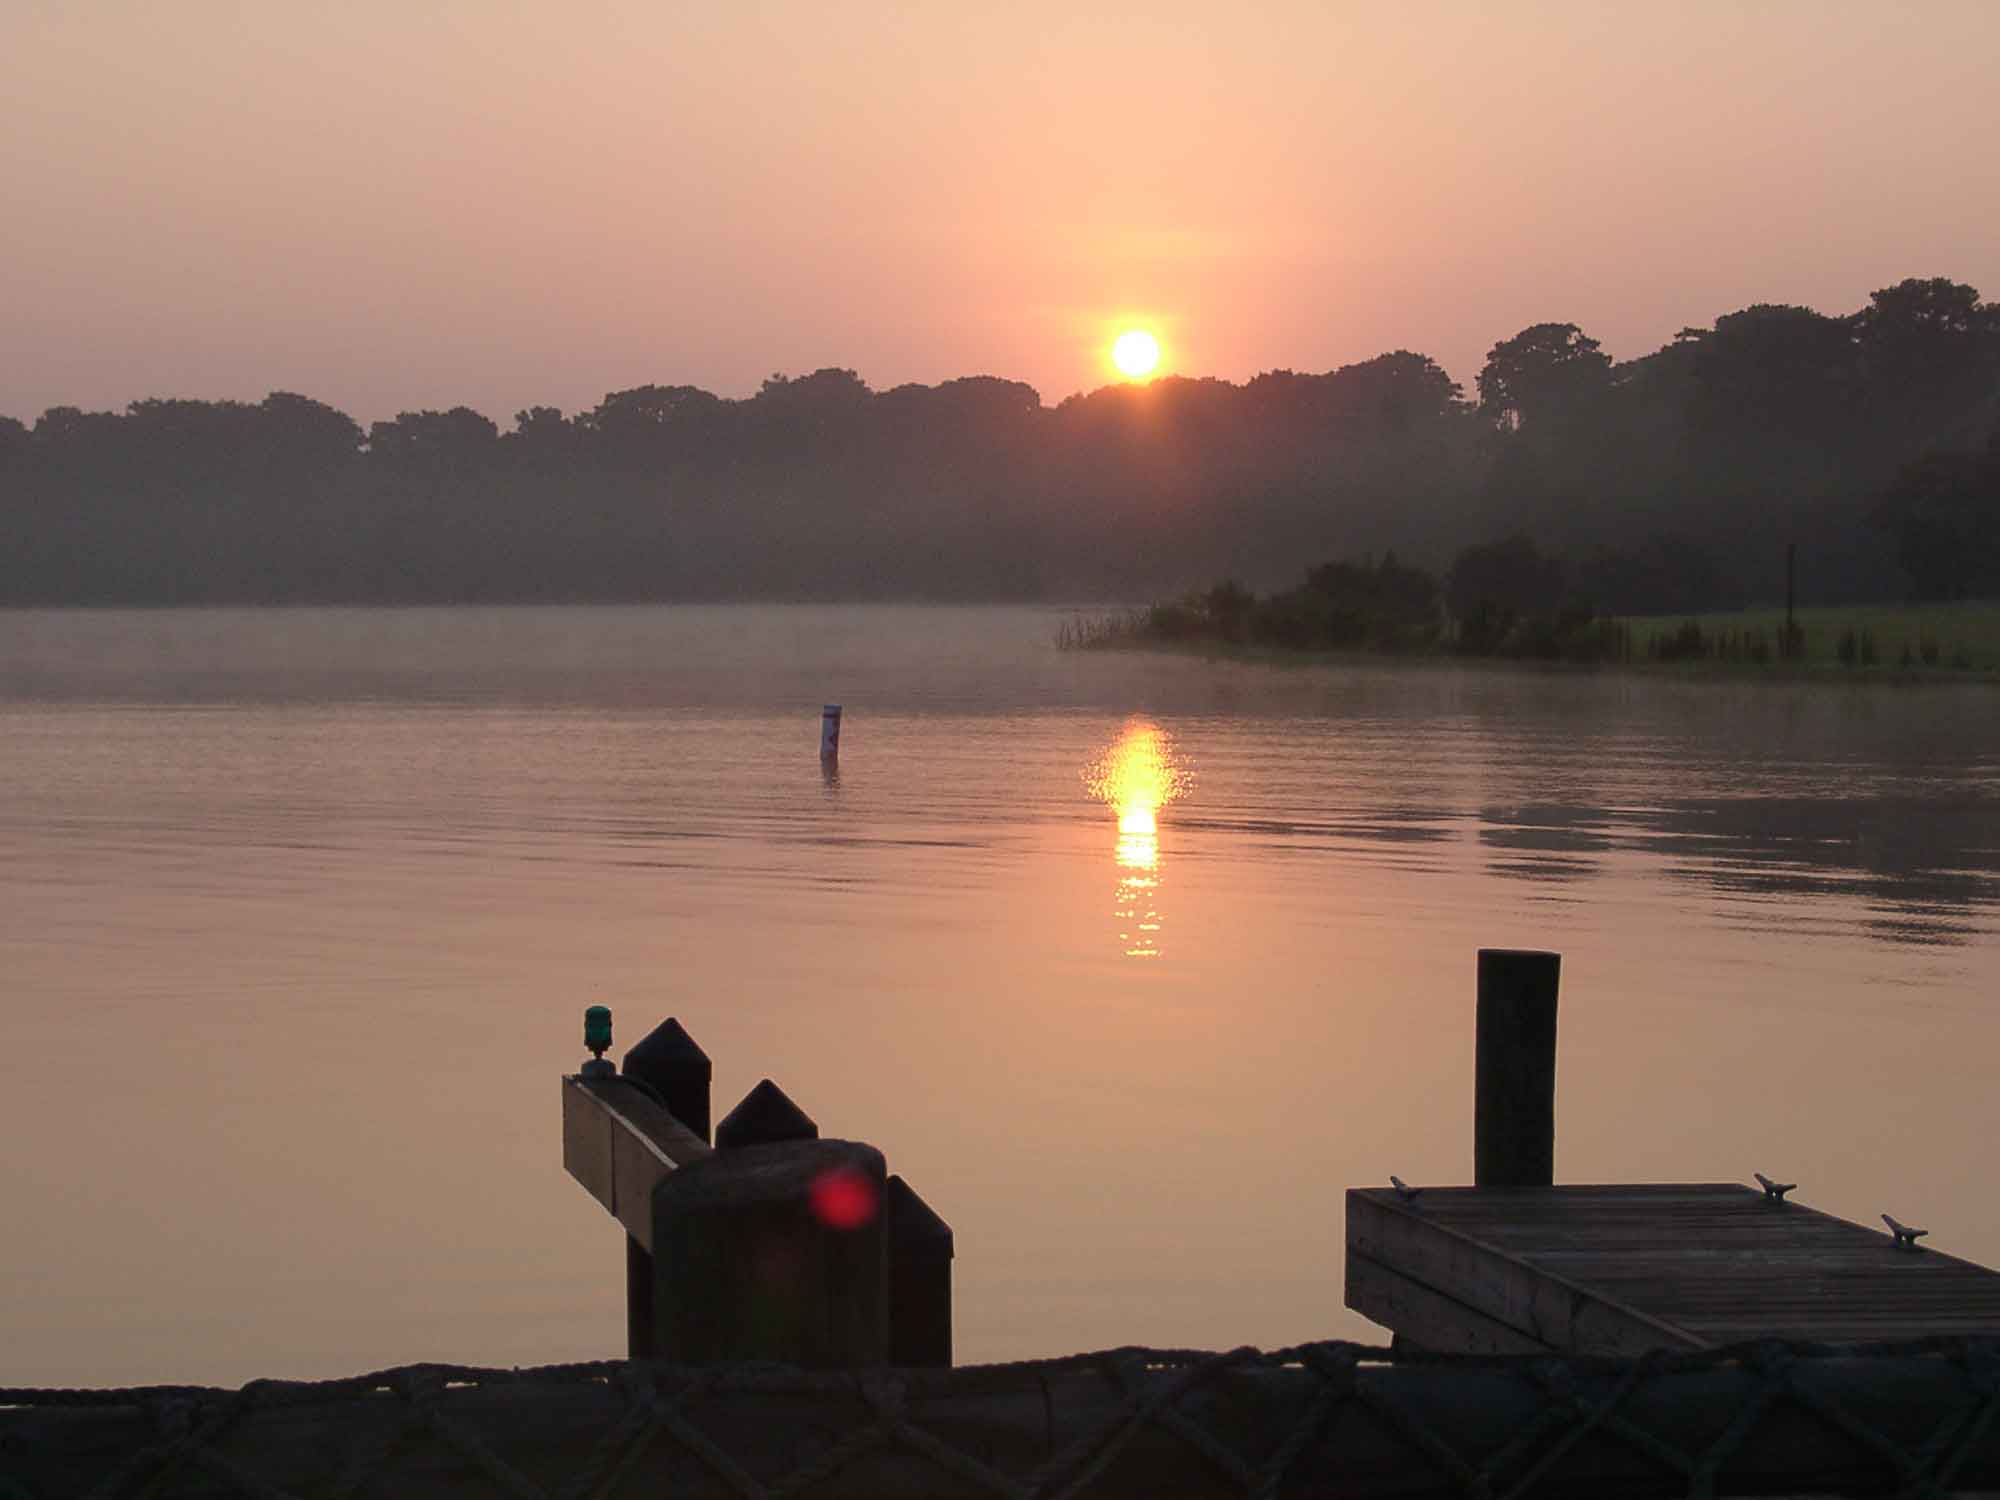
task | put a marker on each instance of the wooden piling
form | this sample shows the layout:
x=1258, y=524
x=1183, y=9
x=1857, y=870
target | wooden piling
x=775, y=1247
x=1514, y=1114
x=769, y=1245
x=920, y=1251
x=670, y=1063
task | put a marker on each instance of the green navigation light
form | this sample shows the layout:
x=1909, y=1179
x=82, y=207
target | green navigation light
x=597, y=1029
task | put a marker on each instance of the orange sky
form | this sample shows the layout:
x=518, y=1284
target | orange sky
x=397, y=205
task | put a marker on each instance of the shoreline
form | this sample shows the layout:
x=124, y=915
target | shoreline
x=1900, y=644
x=1813, y=672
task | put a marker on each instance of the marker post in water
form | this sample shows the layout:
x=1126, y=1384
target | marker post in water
x=829, y=733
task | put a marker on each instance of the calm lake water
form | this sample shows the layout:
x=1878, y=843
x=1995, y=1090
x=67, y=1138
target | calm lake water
x=299, y=911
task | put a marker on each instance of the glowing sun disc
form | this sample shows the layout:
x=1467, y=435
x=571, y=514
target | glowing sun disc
x=1136, y=353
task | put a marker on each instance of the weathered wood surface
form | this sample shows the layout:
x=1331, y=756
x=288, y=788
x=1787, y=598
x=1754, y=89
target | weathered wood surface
x=1623, y=1269
x=749, y=1263
x=735, y=1252
x=1427, y=1318
x=1079, y=1429
x=620, y=1146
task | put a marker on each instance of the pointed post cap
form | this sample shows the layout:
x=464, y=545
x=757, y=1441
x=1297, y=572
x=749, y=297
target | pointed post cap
x=667, y=1048
x=672, y=1065
x=766, y=1114
x=914, y=1224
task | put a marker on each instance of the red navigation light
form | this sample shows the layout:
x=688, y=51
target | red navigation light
x=843, y=1198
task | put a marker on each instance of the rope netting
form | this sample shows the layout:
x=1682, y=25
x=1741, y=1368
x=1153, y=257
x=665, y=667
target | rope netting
x=1907, y=1418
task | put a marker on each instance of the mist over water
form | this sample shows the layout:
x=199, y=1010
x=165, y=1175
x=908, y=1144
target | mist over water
x=300, y=909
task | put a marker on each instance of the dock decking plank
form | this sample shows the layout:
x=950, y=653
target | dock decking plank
x=1428, y=1318
x=1618, y=1268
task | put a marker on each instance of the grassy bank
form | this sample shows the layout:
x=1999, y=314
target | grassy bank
x=1951, y=637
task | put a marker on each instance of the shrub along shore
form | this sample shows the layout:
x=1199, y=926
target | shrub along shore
x=1383, y=609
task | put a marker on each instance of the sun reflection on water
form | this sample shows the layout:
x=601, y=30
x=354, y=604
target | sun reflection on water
x=1136, y=777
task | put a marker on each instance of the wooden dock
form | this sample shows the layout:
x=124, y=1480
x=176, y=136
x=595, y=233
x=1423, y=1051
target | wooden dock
x=1517, y=1265
x=1623, y=1269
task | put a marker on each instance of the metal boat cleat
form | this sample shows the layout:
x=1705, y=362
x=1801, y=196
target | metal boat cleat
x=1774, y=1192
x=1906, y=1237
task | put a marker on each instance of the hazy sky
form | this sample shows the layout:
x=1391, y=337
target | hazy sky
x=421, y=204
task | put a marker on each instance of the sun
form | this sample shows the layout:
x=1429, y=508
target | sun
x=1136, y=353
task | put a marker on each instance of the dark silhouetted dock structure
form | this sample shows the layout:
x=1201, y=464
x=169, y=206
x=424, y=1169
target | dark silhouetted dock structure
x=1622, y=1269
x=1517, y=1265
x=789, y=1314
x=772, y=1244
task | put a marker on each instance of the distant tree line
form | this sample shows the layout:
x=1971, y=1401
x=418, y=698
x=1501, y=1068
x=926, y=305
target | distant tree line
x=1670, y=482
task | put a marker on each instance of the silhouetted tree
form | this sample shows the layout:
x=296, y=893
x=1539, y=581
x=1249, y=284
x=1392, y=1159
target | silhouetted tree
x=542, y=441
x=1663, y=575
x=655, y=423
x=789, y=416
x=1510, y=577
x=1385, y=604
x=1773, y=370
x=67, y=427
x=1541, y=373
x=434, y=442
x=1930, y=352
x=1944, y=513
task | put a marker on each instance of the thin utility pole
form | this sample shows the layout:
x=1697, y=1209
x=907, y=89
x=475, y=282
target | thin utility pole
x=1792, y=642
